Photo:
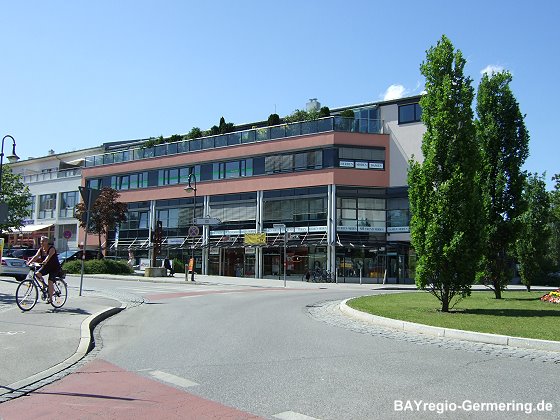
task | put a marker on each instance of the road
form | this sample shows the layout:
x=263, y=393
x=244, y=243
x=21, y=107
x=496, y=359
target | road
x=217, y=351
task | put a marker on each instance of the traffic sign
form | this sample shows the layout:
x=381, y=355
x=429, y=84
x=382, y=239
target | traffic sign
x=193, y=231
x=211, y=221
x=67, y=234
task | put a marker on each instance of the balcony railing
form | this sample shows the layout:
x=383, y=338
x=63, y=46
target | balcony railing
x=254, y=135
x=47, y=176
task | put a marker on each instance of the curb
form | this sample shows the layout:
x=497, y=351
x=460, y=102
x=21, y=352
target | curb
x=84, y=346
x=500, y=340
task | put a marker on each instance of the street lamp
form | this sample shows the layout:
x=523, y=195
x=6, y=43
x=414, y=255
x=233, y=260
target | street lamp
x=283, y=226
x=12, y=158
x=190, y=188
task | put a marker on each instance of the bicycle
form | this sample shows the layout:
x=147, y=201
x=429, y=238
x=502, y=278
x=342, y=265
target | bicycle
x=27, y=292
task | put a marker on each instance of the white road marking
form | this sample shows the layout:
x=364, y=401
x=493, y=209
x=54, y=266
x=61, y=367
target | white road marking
x=292, y=415
x=172, y=379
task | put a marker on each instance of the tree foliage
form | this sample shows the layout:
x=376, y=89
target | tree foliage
x=532, y=243
x=16, y=195
x=106, y=213
x=504, y=147
x=554, y=242
x=444, y=196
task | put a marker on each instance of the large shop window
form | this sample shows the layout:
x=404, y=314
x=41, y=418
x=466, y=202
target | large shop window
x=294, y=162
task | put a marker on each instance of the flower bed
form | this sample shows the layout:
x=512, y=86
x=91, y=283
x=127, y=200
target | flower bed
x=552, y=297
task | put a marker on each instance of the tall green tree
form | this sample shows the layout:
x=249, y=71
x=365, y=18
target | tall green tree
x=504, y=146
x=16, y=195
x=532, y=243
x=106, y=213
x=443, y=192
x=554, y=243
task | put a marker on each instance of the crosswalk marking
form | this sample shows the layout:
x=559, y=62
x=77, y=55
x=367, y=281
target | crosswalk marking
x=172, y=379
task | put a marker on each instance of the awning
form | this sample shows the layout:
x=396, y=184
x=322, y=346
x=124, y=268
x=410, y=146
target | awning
x=33, y=228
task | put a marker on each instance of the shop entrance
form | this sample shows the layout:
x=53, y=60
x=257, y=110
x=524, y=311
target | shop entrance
x=232, y=262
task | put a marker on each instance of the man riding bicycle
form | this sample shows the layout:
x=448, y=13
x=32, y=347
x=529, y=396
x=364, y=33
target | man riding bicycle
x=48, y=258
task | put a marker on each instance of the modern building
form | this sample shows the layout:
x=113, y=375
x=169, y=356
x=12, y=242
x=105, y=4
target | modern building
x=328, y=194
x=53, y=182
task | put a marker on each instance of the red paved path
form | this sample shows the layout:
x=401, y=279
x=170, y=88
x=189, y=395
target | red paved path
x=101, y=390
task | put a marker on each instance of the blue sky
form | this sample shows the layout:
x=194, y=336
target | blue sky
x=75, y=74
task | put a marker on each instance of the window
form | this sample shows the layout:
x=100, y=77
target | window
x=410, y=113
x=31, y=207
x=94, y=183
x=130, y=181
x=398, y=214
x=361, y=212
x=232, y=169
x=68, y=201
x=47, y=206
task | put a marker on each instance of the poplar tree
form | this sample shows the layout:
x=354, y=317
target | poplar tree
x=532, y=244
x=444, y=196
x=504, y=146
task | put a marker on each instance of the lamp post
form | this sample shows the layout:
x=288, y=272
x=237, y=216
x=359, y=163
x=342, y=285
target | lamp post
x=283, y=226
x=12, y=158
x=192, y=188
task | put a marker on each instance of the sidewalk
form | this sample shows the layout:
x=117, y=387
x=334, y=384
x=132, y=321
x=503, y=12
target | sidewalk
x=42, y=342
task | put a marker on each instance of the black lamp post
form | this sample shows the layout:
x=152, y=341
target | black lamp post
x=12, y=158
x=192, y=188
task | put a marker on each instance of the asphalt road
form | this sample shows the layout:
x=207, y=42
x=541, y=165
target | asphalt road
x=284, y=353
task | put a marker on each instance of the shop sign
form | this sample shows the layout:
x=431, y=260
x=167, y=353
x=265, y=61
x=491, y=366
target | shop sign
x=346, y=164
x=255, y=239
x=401, y=229
x=378, y=229
x=376, y=165
x=362, y=165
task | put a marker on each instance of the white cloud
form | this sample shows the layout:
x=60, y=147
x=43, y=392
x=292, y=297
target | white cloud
x=491, y=69
x=395, y=92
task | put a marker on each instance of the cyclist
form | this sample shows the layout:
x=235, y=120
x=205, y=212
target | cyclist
x=48, y=258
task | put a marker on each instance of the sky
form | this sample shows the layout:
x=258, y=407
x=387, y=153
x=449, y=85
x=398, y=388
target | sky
x=76, y=74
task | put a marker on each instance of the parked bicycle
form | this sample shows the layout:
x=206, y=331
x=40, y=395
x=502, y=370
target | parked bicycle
x=27, y=292
x=319, y=275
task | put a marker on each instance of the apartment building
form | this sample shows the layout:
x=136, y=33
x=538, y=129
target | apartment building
x=53, y=182
x=328, y=194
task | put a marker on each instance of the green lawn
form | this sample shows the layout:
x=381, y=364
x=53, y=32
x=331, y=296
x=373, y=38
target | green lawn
x=518, y=313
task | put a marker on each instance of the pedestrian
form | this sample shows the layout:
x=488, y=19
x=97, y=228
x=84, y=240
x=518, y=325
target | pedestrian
x=167, y=264
x=307, y=275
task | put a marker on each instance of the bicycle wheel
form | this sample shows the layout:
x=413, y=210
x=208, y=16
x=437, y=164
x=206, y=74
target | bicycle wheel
x=26, y=295
x=60, y=293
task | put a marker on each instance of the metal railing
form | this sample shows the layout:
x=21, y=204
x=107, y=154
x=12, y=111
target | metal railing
x=47, y=176
x=255, y=135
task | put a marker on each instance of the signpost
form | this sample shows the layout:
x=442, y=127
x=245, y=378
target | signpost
x=89, y=195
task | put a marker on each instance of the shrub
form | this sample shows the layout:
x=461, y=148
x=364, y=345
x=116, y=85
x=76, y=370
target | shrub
x=194, y=133
x=97, y=267
x=347, y=113
x=178, y=265
x=324, y=112
x=273, y=119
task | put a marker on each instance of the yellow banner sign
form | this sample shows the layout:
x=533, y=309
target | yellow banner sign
x=255, y=239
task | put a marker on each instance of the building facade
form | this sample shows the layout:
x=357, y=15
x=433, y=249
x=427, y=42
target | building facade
x=326, y=195
x=53, y=182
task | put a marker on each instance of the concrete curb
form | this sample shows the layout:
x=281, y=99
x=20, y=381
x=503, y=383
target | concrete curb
x=500, y=340
x=84, y=346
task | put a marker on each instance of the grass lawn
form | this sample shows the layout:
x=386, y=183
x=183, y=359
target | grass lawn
x=518, y=313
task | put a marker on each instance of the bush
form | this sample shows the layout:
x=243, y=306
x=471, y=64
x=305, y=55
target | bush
x=178, y=265
x=97, y=267
x=273, y=119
